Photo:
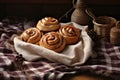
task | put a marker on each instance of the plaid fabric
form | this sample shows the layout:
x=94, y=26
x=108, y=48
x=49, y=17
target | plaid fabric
x=105, y=61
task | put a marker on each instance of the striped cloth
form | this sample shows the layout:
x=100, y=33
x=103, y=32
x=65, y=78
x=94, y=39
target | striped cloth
x=105, y=61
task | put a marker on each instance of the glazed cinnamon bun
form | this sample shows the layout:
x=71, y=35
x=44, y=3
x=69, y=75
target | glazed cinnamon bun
x=48, y=24
x=31, y=35
x=70, y=33
x=53, y=41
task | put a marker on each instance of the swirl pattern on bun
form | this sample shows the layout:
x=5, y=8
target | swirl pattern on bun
x=70, y=33
x=31, y=35
x=53, y=41
x=48, y=24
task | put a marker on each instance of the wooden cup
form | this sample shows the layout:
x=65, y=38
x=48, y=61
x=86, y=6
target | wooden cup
x=103, y=25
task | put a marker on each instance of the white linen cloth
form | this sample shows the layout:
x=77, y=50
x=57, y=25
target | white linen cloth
x=72, y=55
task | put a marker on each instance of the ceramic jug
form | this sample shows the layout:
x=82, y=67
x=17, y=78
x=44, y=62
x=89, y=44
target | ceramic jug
x=79, y=15
x=115, y=34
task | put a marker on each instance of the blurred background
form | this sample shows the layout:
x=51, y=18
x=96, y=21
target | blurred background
x=36, y=9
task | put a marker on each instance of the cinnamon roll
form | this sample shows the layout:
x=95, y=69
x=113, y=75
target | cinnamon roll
x=70, y=33
x=53, y=41
x=48, y=24
x=31, y=35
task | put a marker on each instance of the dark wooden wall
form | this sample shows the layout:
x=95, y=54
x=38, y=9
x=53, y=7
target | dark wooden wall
x=56, y=8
